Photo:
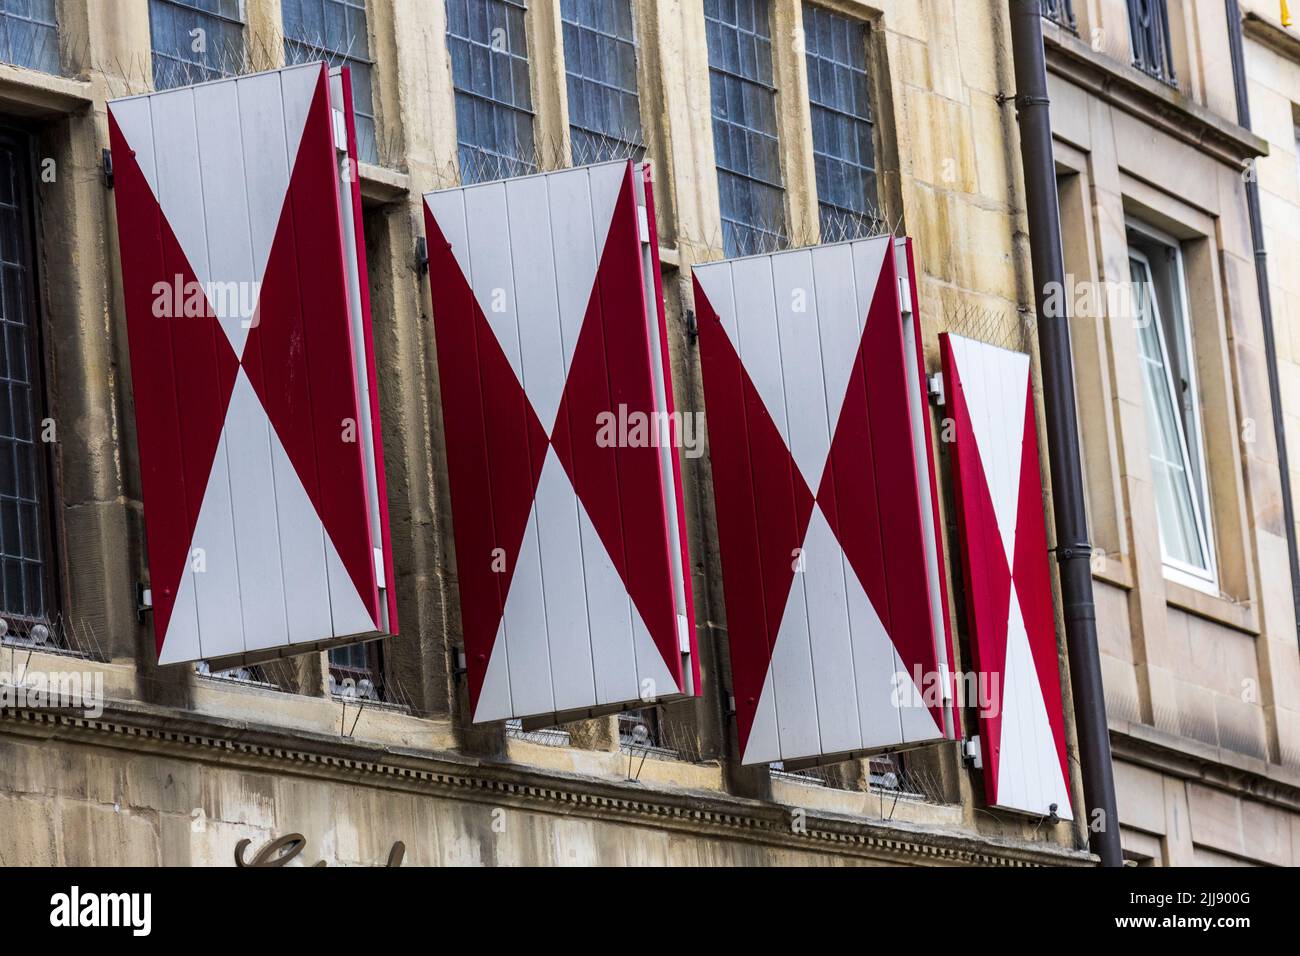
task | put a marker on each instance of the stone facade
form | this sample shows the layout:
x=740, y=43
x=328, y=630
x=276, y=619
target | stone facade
x=1203, y=690
x=1201, y=683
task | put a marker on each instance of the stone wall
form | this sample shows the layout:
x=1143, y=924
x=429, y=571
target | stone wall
x=180, y=767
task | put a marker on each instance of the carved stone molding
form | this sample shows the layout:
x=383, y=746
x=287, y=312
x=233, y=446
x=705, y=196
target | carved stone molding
x=1155, y=103
x=1239, y=774
x=141, y=728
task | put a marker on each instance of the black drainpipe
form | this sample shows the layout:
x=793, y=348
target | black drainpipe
x=1073, y=551
x=1265, y=301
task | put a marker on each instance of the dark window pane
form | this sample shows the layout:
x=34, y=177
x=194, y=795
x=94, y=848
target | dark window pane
x=22, y=509
x=1059, y=11
x=357, y=670
x=494, y=104
x=15, y=599
x=600, y=60
x=195, y=41
x=35, y=594
x=29, y=34
x=843, y=154
x=739, y=38
x=1148, y=22
x=336, y=31
x=8, y=473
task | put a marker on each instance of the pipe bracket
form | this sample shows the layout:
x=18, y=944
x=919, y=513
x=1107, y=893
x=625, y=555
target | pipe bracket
x=1071, y=552
x=1026, y=99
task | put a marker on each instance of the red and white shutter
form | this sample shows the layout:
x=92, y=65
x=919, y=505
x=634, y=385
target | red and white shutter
x=824, y=487
x=994, y=451
x=256, y=420
x=570, y=539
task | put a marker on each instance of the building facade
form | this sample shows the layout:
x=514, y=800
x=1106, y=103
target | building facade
x=767, y=124
x=1197, y=624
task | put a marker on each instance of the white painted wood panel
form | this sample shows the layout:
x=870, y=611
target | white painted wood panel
x=793, y=682
x=215, y=559
x=822, y=577
x=544, y=371
x=835, y=682
x=262, y=571
x=571, y=638
x=995, y=386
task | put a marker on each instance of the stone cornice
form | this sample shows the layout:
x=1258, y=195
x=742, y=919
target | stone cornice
x=137, y=727
x=1272, y=34
x=1154, y=102
x=381, y=185
x=27, y=92
x=1213, y=766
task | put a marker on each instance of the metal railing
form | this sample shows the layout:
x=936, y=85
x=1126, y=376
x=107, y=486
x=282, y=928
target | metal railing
x=1148, y=22
x=1060, y=12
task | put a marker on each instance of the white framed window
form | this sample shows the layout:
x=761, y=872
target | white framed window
x=1295, y=128
x=1175, y=438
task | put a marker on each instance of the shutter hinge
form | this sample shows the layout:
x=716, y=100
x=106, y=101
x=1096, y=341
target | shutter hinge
x=643, y=224
x=934, y=386
x=972, y=752
x=340, y=130
x=379, y=569
x=945, y=683
x=904, y=295
x=108, y=168
x=143, y=600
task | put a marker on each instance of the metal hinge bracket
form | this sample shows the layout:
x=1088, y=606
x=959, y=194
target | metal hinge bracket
x=934, y=386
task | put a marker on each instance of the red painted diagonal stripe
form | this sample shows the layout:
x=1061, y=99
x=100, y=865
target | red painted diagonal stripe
x=177, y=364
x=985, y=573
x=495, y=451
x=621, y=487
x=299, y=355
x=763, y=507
x=848, y=495
x=889, y=400
x=1034, y=585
